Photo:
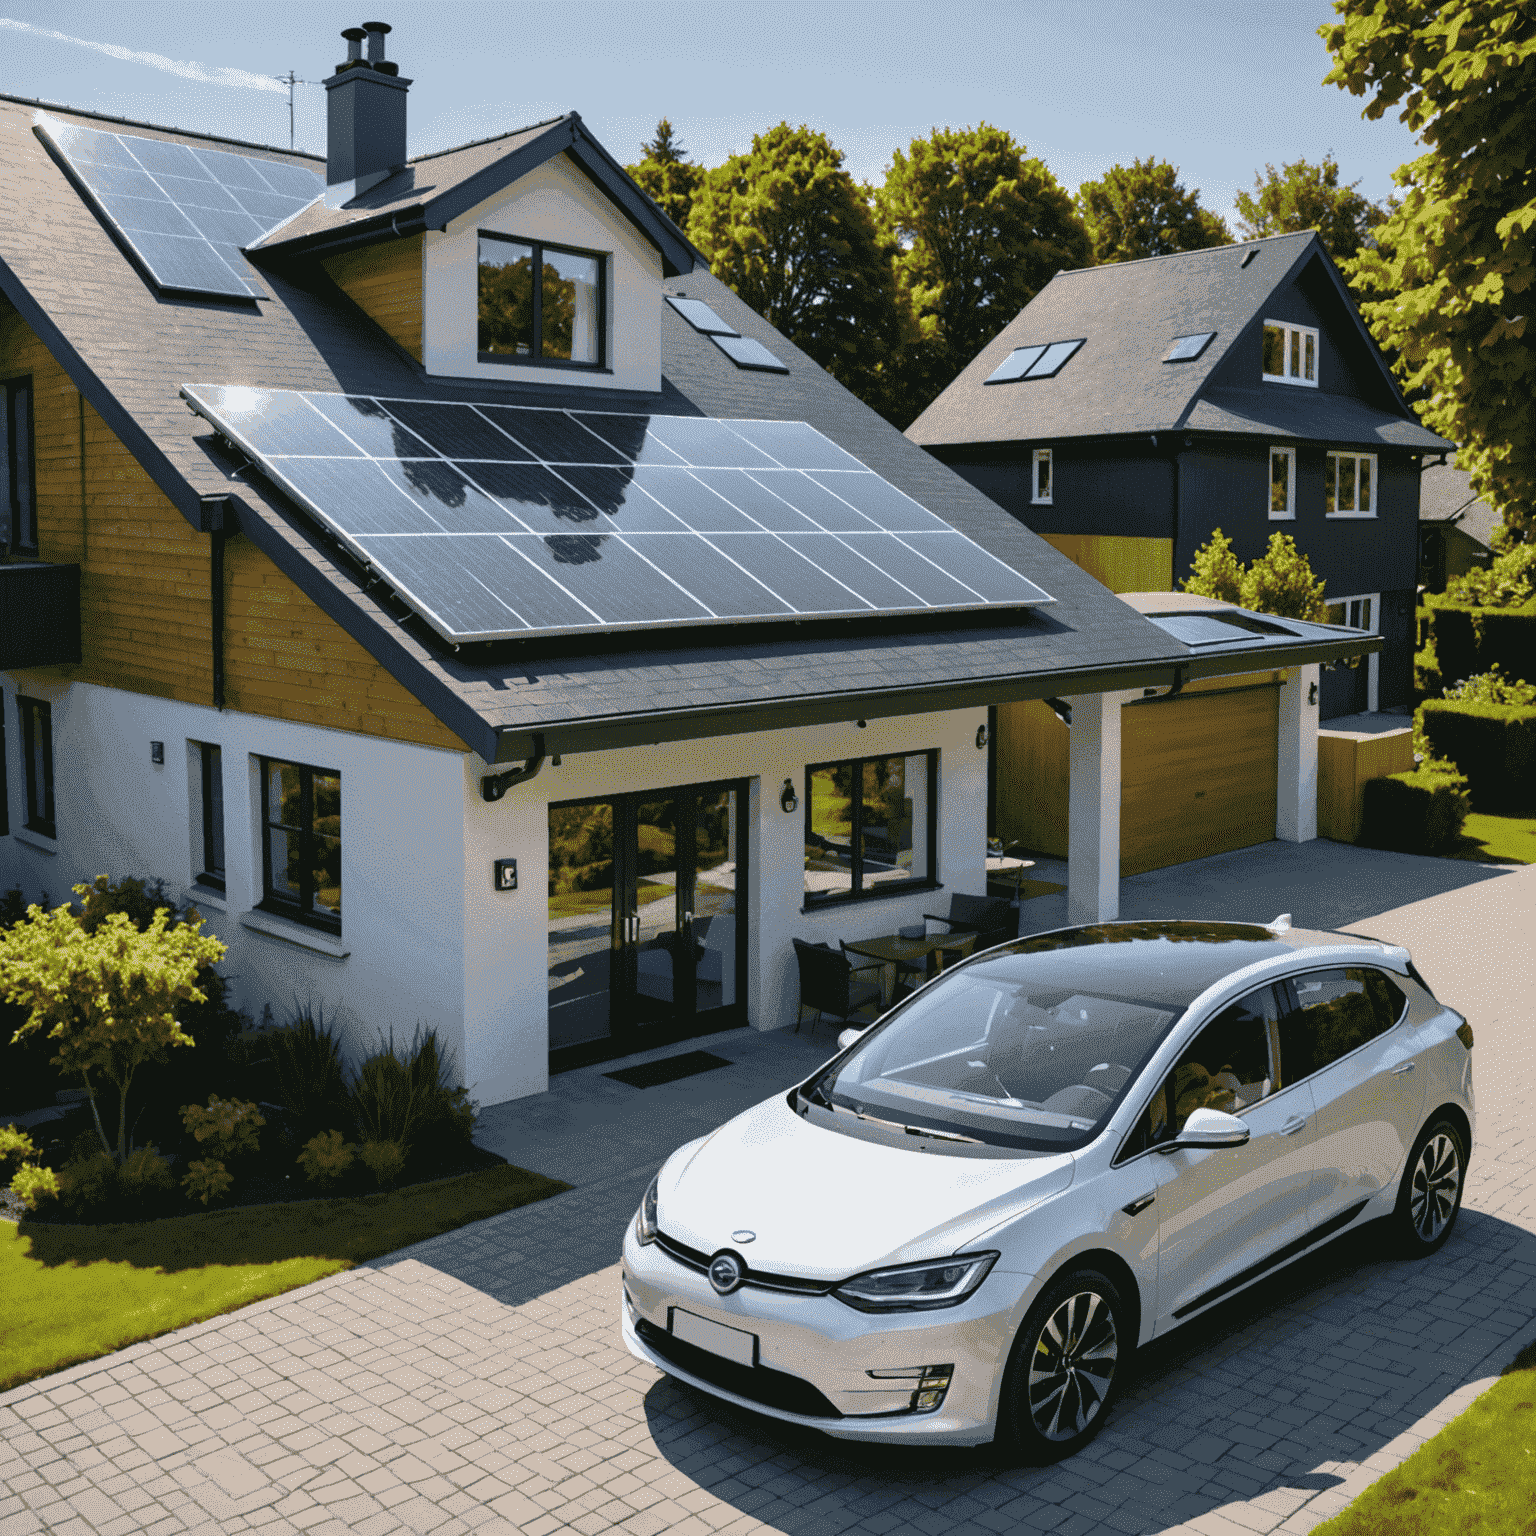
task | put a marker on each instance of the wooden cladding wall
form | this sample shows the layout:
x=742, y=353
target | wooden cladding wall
x=384, y=281
x=144, y=585
x=1345, y=761
x=1032, y=777
x=1121, y=564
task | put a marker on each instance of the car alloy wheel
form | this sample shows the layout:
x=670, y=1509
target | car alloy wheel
x=1432, y=1186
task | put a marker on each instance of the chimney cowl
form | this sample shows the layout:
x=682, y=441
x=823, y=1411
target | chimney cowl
x=365, y=110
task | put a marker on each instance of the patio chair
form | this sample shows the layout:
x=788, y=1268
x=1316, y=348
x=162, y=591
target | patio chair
x=827, y=984
x=991, y=919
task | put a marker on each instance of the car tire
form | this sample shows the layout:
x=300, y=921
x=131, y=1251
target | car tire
x=1430, y=1195
x=1057, y=1391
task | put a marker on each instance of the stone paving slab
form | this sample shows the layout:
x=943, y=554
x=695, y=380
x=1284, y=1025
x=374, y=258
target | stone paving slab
x=476, y=1382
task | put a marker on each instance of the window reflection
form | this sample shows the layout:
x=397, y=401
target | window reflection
x=539, y=301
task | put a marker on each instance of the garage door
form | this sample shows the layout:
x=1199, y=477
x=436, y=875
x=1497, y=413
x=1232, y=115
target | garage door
x=1197, y=776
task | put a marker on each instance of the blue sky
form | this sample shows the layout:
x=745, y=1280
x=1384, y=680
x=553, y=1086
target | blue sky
x=1217, y=89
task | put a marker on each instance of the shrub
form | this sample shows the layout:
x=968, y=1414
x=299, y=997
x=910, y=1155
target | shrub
x=306, y=1059
x=1417, y=812
x=1506, y=582
x=15, y=1147
x=1280, y=581
x=1470, y=640
x=411, y=1099
x=144, y=1181
x=1492, y=687
x=446, y=1115
x=384, y=1096
x=1427, y=681
x=32, y=1185
x=207, y=1179
x=88, y=1184
x=326, y=1158
x=385, y=1160
x=1494, y=745
x=229, y=1127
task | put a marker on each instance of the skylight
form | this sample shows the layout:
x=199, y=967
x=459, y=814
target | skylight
x=1186, y=348
x=742, y=350
x=1041, y=361
x=700, y=316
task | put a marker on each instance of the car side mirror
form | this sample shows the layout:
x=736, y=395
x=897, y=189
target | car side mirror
x=847, y=1038
x=1209, y=1128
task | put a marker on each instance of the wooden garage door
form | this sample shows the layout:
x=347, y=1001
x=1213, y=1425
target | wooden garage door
x=1197, y=776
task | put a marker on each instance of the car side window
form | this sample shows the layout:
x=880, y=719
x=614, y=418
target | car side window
x=1226, y=1066
x=1335, y=1012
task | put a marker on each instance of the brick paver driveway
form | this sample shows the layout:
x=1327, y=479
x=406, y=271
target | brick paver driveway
x=476, y=1382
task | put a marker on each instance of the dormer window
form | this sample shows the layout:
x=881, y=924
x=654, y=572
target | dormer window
x=540, y=303
x=1290, y=353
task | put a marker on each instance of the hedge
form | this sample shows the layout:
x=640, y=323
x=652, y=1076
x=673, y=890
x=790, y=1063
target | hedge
x=1494, y=745
x=1417, y=812
x=1508, y=637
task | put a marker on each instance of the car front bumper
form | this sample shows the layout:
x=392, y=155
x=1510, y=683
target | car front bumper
x=819, y=1344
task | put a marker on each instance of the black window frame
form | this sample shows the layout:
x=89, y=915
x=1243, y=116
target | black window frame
x=18, y=469
x=211, y=771
x=302, y=911
x=816, y=901
x=37, y=730
x=536, y=359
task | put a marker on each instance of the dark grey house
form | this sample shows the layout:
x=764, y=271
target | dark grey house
x=1456, y=526
x=1131, y=409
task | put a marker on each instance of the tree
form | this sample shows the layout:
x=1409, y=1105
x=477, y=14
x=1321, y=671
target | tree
x=791, y=231
x=108, y=996
x=1453, y=266
x=1300, y=196
x=1280, y=581
x=979, y=229
x=1143, y=209
x=664, y=173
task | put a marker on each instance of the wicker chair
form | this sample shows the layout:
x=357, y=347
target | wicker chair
x=828, y=985
x=991, y=919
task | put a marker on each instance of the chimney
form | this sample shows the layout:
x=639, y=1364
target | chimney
x=365, y=117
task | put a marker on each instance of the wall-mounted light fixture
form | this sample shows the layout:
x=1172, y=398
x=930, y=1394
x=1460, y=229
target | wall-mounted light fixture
x=789, y=801
x=157, y=752
x=504, y=876
x=861, y=723
x=981, y=738
x=1312, y=694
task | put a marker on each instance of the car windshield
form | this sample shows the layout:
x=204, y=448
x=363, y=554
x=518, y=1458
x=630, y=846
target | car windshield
x=1019, y=1051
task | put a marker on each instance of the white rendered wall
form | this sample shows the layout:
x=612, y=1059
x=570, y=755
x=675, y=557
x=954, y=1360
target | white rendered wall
x=506, y=1001
x=1296, y=777
x=558, y=203
x=119, y=814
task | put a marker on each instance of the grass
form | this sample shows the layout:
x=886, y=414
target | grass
x=1497, y=840
x=1477, y=1477
x=71, y=1293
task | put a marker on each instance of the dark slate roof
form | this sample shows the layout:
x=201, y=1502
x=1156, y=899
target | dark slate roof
x=430, y=191
x=130, y=348
x=1307, y=413
x=1128, y=314
x=1446, y=496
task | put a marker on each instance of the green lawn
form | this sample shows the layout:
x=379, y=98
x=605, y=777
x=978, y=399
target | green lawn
x=1477, y=1477
x=1498, y=840
x=71, y=1293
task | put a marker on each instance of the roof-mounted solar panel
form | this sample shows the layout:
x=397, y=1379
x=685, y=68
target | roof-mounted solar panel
x=1042, y=361
x=746, y=353
x=1201, y=629
x=1186, y=348
x=700, y=316
x=184, y=213
x=477, y=516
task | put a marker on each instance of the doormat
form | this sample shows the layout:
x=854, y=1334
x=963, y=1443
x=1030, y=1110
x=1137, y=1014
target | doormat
x=669, y=1069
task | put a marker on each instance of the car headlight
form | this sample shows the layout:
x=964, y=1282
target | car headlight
x=917, y=1287
x=645, y=1217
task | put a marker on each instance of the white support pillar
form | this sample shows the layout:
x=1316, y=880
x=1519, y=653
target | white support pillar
x=1296, y=789
x=1093, y=809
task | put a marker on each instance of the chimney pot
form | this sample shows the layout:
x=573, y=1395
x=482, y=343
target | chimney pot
x=376, y=31
x=354, y=37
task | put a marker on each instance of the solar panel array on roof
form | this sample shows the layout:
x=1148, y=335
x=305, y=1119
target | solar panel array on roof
x=495, y=521
x=184, y=212
x=742, y=350
x=1043, y=361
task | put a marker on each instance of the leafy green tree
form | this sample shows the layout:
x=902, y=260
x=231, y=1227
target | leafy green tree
x=664, y=172
x=107, y=997
x=1217, y=571
x=1300, y=196
x=979, y=229
x=1280, y=581
x=791, y=231
x=1450, y=277
x=1143, y=209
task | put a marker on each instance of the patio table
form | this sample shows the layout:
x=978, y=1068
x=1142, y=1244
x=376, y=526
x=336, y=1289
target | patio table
x=899, y=956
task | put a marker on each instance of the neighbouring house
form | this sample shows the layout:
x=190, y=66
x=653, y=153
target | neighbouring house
x=1131, y=409
x=1456, y=526
x=430, y=570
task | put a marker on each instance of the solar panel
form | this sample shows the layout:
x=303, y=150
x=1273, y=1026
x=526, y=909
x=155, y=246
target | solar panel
x=484, y=519
x=184, y=212
x=1186, y=348
x=746, y=353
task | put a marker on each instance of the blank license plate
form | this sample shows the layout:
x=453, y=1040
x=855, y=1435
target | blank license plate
x=731, y=1343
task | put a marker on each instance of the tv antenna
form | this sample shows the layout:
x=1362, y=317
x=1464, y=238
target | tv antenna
x=291, y=80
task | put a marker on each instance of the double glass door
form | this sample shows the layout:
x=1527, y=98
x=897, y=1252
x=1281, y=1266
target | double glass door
x=647, y=920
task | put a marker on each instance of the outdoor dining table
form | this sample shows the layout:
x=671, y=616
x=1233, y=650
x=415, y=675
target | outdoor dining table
x=897, y=955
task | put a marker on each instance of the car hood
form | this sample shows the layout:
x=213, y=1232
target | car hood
x=825, y=1206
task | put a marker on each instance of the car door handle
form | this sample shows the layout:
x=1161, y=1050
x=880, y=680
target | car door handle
x=1407, y=1066
x=1137, y=1206
x=1294, y=1124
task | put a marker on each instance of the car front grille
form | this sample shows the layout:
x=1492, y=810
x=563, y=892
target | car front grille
x=691, y=1258
x=756, y=1383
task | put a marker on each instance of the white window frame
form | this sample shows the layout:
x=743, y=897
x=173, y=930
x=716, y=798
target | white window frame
x=1331, y=471
x=1352, y=619
x=1294, y=337
x=1042, y=456
x=1288, y=513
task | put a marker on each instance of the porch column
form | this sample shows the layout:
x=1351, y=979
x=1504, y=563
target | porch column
x=1296, y=790
x=1093, y=809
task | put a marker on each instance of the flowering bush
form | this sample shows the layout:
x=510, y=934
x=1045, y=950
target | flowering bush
x=229, y=1127
x=385, y=1160
x=207, y=1179
x=32, y=1184
x=326, y=1157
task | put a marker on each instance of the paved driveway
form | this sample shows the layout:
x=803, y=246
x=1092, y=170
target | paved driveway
x=476, y=1383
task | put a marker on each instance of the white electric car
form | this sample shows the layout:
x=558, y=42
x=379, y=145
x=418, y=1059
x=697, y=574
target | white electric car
x=962, y=1226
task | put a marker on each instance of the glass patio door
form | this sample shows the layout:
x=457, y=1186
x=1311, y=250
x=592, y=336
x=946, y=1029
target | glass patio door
x=646, y=920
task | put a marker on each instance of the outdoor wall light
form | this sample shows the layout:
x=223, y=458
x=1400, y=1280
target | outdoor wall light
x=861, y=723
x=157, y=752
x=1312, y=694
x=788, y=799
x=981, y=738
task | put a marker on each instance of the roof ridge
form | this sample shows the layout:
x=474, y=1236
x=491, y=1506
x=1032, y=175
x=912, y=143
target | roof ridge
x=133, y=122
x=511, y=133
x=1208, y=250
